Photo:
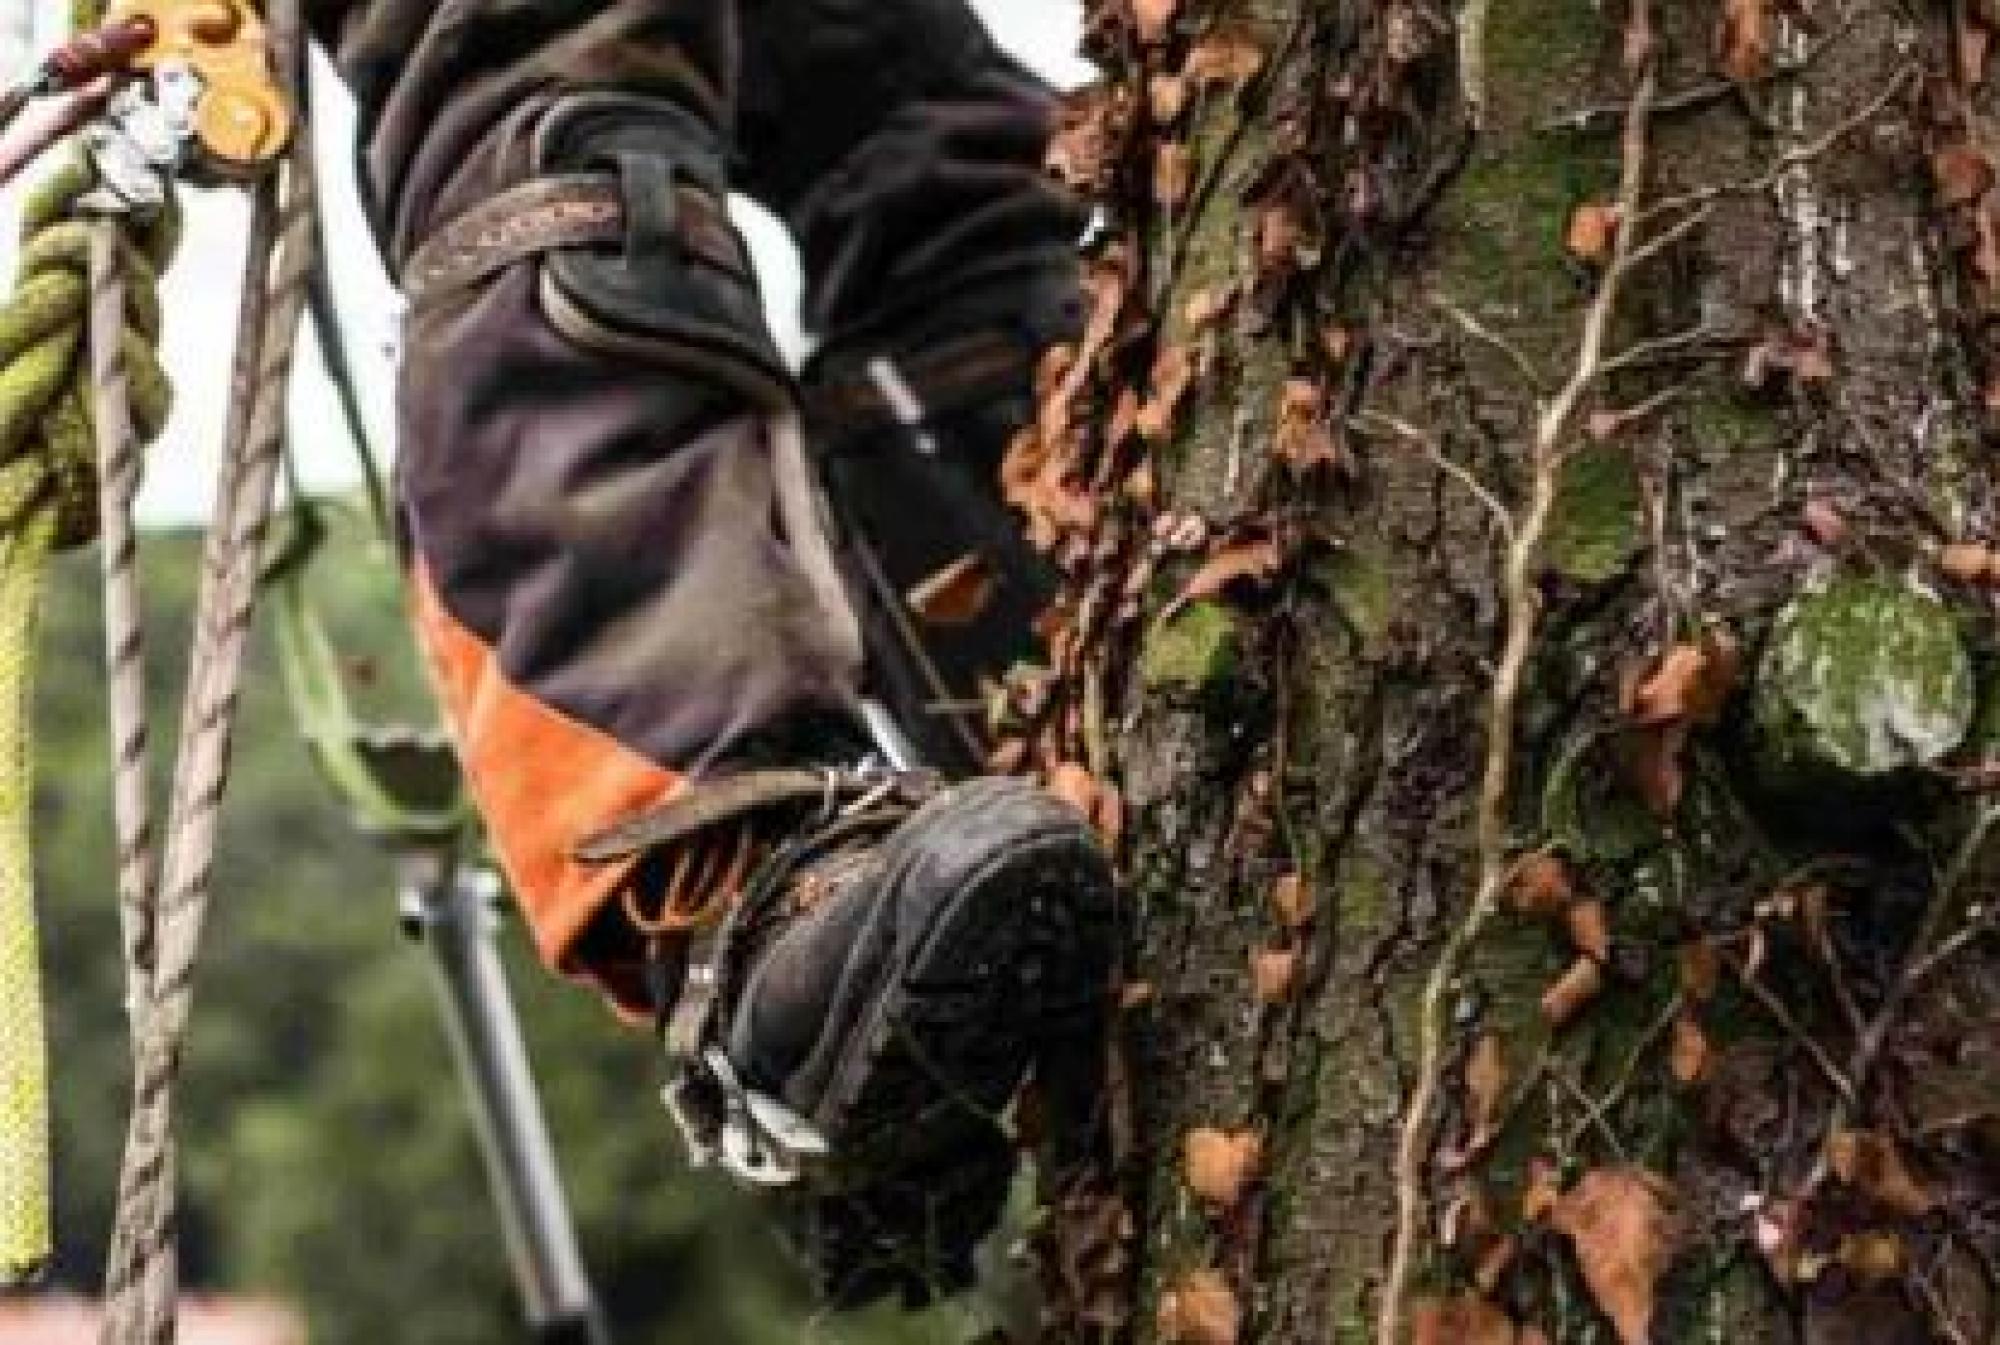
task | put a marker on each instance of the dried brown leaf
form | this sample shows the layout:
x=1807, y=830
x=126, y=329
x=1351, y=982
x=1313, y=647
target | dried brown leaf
x=1303, y=440
x=1602, y=425
x=1485, y=1087
x=1805, y=357
x=1873, y=1257
x=1743, y=40
x=1589, y=926
x=1592, y=228
x=1569, y=994
x=1219, y=1166
x=1701, y=969
x=1200, y=1309
x=1962, y=173
x=1080, y=789
x=1249, y=559
x=1692, y=682
x=1965, y=562
x=1822, y=522
x=1460, y=1320
x=1152, y=18
x=1872, y=1163
x=1226, y=56
x=1653, y=766
x=1273, y=973
x=1292, y=901
x=1621, y=1224
x=1975, y=44
x=1541, y=1193
x=1280, y=238
x=1541, y=884
x=1689, y=1053
x=1207, y=306
x=955, y=595
x=1985, y=258
x=1079, y=153
x=1173, y=374
x=1173, y=173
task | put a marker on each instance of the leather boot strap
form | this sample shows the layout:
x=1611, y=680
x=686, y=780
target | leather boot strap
x=728, y=797
x=561, y=210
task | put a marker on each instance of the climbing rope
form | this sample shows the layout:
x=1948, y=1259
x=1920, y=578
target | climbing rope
x=47, y=500
x=124, y=630
x=140, y=1278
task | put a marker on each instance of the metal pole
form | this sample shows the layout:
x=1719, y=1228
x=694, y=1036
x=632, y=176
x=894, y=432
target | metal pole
x=452, y=910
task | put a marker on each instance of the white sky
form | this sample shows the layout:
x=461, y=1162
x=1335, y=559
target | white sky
x=201, y=290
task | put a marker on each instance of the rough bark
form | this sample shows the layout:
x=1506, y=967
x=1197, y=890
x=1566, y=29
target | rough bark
x=1524, y=498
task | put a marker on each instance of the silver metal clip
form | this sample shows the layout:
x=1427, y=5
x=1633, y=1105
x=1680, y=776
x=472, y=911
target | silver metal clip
x=142, y=140
x=759, y=1140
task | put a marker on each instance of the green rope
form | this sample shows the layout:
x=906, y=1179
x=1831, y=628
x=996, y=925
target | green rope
x=48, y=499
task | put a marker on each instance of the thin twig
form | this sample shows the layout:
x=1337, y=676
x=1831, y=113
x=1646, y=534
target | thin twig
x=1782, y=1015
x=1657, y=347
x=1402, y=429
x=1478, y=330
x=1790, y=159
x=1593, y=1114
x=1707, y=94
x=1671, y=235
x=1521, y=608
x=1641, y=1049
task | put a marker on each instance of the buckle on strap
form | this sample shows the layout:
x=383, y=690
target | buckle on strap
x=757, y=1138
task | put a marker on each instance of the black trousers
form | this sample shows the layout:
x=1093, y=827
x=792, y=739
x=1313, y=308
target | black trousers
x=617, y=577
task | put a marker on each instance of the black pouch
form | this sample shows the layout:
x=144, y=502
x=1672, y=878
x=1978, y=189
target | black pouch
x=679, y=290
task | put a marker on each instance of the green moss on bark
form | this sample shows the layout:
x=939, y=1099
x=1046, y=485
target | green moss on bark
x=1195, y=651
x=1594, y=531
x=1862, y=679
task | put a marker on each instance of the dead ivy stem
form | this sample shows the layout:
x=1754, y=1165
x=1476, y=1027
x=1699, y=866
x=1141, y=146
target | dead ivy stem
x=1522, y=609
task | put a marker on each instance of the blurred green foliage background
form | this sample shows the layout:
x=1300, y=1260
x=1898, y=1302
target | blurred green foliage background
x=327, y=1156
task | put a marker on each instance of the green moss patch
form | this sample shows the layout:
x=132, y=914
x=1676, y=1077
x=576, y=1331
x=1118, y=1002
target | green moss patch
x=1195, y=650
x=1594, y=531
x=1863, y=678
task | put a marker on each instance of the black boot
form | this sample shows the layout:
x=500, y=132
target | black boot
x=889, y=977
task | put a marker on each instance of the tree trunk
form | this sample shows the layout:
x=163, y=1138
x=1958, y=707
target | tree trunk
x=1525, y=493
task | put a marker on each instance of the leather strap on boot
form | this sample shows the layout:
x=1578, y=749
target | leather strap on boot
x=564, y=210
x=756, y=1137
